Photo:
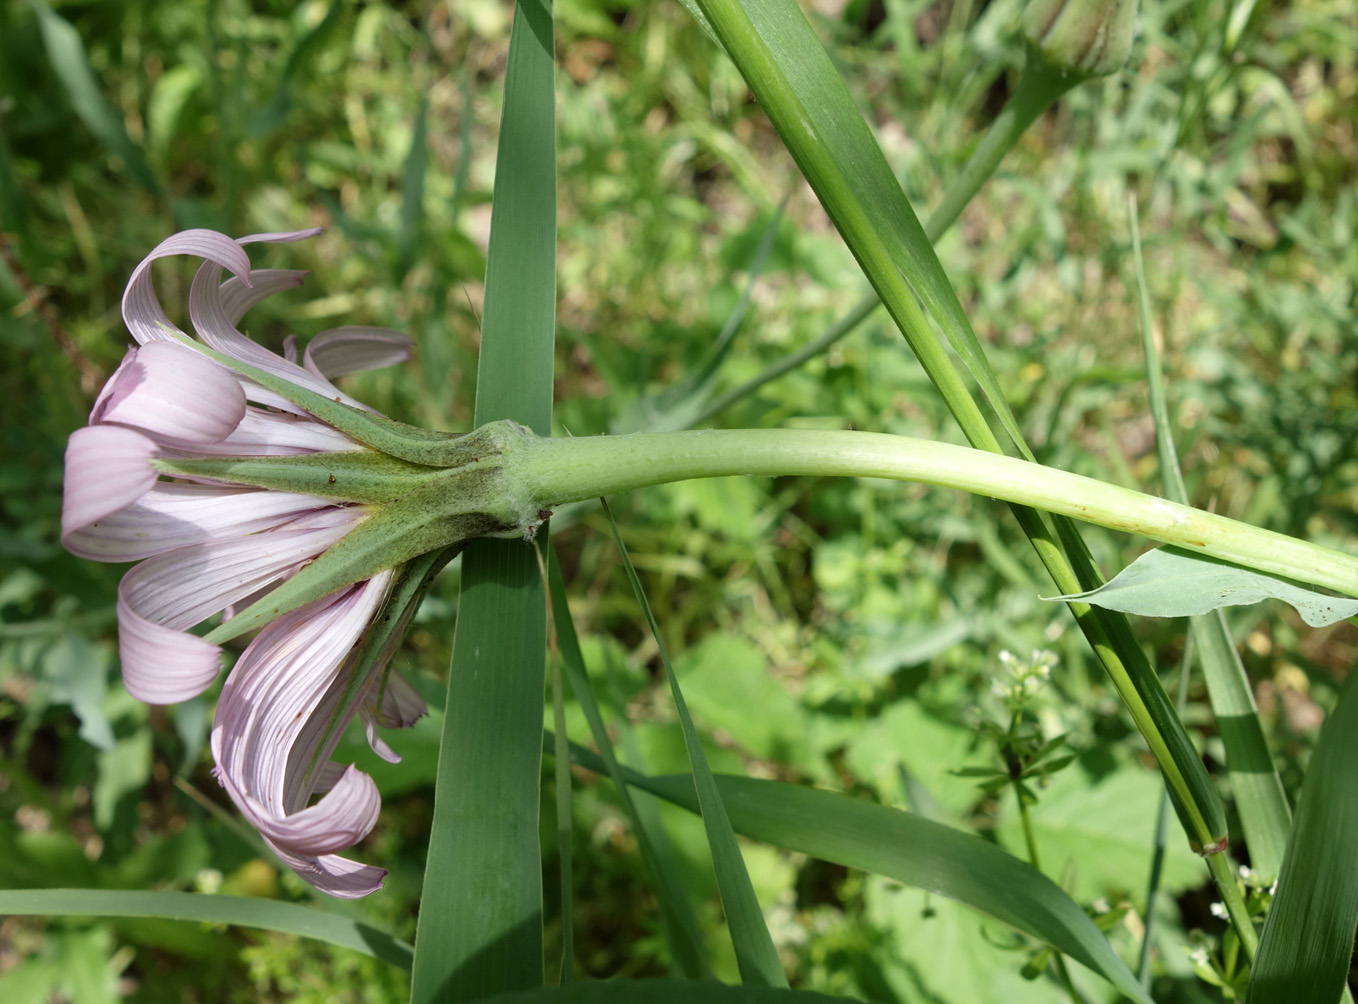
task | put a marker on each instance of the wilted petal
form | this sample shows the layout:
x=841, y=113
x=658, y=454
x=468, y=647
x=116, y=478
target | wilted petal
x=173, y=515
x=355, y=348
x=237, y=298
x=107, y=468
x=174, y=394
x=142, y=312
x=160, y=665
x=280, y=714
x=170, y=592
x=334, y=875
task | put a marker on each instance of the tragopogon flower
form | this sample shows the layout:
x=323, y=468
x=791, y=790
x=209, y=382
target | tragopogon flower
x=211, y=544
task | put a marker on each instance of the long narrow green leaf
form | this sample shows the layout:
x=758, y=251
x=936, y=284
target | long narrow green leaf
x=755, y=954
x=480, y=929
x=790, y=73
x=667, y=992
x=1307, y=941
x=243, y=911
x=907, y=847
x=1260, y=800
x=680, y=922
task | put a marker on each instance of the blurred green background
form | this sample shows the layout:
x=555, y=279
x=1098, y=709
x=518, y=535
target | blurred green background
x=840, y=633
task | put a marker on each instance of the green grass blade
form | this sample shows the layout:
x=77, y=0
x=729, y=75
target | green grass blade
x=792, y=76
x=565, y=845
x=242, y=911
x=680, y=922
x=909, y=848
x=1307, y=940
x=1260, y=800
x=480, y=929
x=412, y=192
x=66, y=53
x=667, y=992
x=805, y=98
x=755, y=954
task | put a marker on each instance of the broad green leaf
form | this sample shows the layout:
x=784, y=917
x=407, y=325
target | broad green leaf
x=1169, y=582
x=1307, y=940
x=480, y=929
x=66, y=53
x=755, y=954
x=242, y=911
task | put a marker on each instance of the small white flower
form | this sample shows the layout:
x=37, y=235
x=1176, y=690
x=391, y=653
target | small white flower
x=1219, y=910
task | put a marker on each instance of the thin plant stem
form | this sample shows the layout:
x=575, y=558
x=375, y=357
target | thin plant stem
x=1235, y=903
x=1059, y=960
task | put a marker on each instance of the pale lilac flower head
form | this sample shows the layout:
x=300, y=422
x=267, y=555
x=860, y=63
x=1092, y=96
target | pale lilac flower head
x=208, y=547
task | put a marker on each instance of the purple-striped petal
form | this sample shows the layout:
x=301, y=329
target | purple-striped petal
x=280, y=714
x=166, y=594
x=142, y=312
x=174, y=394
x=238, y=298
x=160, y=665
x=269, y=433
x=355, y=348
x=107, y=468
x=173, y=515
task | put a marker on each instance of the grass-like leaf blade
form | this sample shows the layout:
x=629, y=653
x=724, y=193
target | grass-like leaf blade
x=909, y=848
x=1307, y=940
x=680, y=922
x=242, y=911
x=666, y=992
x=755, y=954
x=1260, y=801
x=480, y=929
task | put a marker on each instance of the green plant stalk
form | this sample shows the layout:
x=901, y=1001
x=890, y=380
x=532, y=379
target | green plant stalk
x=561, y=470
x=1235, y=903
x=1030, y=839
x=807, y=101
x=1038, y=89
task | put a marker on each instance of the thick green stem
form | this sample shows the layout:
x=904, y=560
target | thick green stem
x=557, y=471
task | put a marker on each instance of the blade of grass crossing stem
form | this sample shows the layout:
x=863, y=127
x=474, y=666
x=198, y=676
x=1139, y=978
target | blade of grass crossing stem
x=804, y=96
x=480, y=926
x=1260, y=800
x=1307, y=940
x=755, y=954
x=792, y=76
x=680, y=922
x=242, y=911
x=562, y=777
x=906, y=847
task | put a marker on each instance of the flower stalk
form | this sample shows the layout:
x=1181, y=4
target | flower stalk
x=556, y=471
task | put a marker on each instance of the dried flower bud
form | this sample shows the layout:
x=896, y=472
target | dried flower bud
x=1088, y=37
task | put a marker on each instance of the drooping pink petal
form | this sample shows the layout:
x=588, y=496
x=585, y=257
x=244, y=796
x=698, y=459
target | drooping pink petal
x=107, y=468
x=166, y=594
x=401, y=707
x=280, y=714
x=355, y=348
x=142, y=312
x=173, y=515
x=160, y=665
x=173, y=394
x=238, y=298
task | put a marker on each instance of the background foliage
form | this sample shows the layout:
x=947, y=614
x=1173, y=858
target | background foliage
x=840, y=633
